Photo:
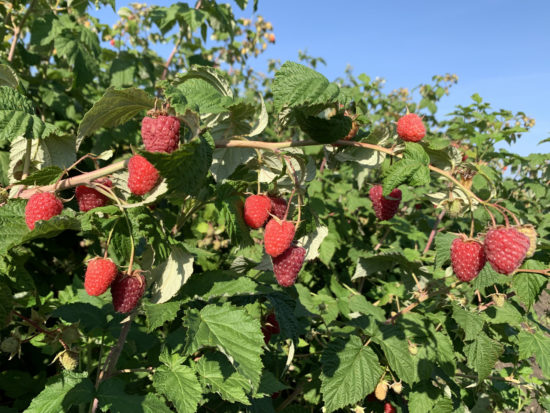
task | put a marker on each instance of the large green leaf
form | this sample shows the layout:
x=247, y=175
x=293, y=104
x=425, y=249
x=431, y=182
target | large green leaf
x=395, y=346
x=114, y=399
x=233, y=332
x=169, y=276
x=471, y=323
x=537, y=344
x=482, y=355
x=350, y=371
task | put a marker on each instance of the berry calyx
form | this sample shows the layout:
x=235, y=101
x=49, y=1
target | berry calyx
x=287, y=266
x=256, y=210
x=506, y=249
x=410, y=128
x=385, y=207
x=467, y=258
x=127, y=289
x=142, y=175
x=160, y=134
x=41, y=207
x=100, y=273
x=89, y=198
x=278, y=236
x=278, y=207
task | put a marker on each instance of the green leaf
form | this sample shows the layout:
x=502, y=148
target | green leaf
x=6, y=303
x=350, y=371
x=507, y=314
x=158, y=314
x=443, y=241
x=471, y=323
x=178, y=383
x=488, y=277
x=8, y=77
x=233, y=332
x=114, y=399
x=482, y=355
x=422, y=398
x=219, y=376
x=114, y=108
x=528, y=286
x=399, y=173
x=230, y=205
x=185, y=169
x=17, y=118
x=12, y=223
x=45, y=176
x=269, y=384
x=396, y=348
x=226, y=161
x=325, y=130
x=62, y=392
x=296, y=85
x=88, y=316
x=537, y=344
x=169, y=276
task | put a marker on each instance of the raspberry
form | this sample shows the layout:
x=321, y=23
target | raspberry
x=506, y=249
x=267, y=334
x=410, y=128
x=42, y=206
x=142, y=175
x=397, y=387
x=89, y=198
x=272, y=324
x=381, y=390
x=388, y=408
x=256, y=210
x=287, y=265
x=278, y=236
x=384, y=207
x=161, y=134
x=100, y=273
x=278, y=207
x=467, y=258
x=530, y=232
x=126, y=290
x=69, y=359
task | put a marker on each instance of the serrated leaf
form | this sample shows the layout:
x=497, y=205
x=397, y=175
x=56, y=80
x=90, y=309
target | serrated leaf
x=471, y=323
x=114, y=108
x=62, y=392
x=482, y=355
x=114, y=399
x=88, y=316
x=488, y=277
x=219, y=376
x=185, y=169
x=8, y=77
x=395, y=347
x=233, y=332
x=45, y=176
x=350, y=371
x=325, y=130
x=312, y=242
x=296, y=85
x=225, y=161
x=284, y=313
x=443, y=241
x=171, y=275
x=230, y=205
x=178, y=383
x=537, y=344
x=158, y=314
x=399, y=173
x=528, y=285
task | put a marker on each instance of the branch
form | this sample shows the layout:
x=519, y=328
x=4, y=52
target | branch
x=17, y=31
x=51, y=333
x=434, y=231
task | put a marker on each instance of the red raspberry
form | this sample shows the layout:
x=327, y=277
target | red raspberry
x=161, y=134
x=267, y=334
x=100, y=273
x=467, y=258
x=410, y=128
x=272, y=324
x=42, y=206
x=388, y=408
x=384, y=207
x=278, y=236
x=506, y=249
x=278, y=207
x=287, y=265
x=126, y=291
x=143, y=176
x=89, y=198
x=256, y=210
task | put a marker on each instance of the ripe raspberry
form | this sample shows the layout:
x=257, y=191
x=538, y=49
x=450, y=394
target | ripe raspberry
x=287, y=265
x=42, y=206
x=142, y=175
x=267, y=334
x=161, y=134
x=126, y=290
x=256, y=210
x=467, y=258
x=100, y=273
x=506, y=249
x=89, y=198
x=278, y=207
x=410, y=128
x=384, y=207
x=530, y=232
x=272, y=324
x=278, y=236
x=388, y=408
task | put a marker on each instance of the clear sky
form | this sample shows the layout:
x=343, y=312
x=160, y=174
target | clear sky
x=498, y=48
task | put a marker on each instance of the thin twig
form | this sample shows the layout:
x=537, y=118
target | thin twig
x=17, y=31
x=292, y=396
x=51, y=333
x=434, y=231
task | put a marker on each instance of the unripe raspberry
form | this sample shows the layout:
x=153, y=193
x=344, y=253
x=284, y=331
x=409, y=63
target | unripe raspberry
x=142, y=176
x=530, y=232
x=69, y=360
x=89, y=198
x=397, y=387
x=161, y=134
x=381, y=390
x=256, y=210
x=42, y=206
x=410, y=128
x=100, y=273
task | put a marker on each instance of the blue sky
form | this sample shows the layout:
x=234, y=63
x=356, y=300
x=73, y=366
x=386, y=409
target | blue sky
x=498, y=48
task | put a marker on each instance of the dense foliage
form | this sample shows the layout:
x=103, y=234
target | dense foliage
x=376, y=316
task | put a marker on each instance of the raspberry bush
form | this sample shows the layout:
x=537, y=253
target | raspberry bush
x=159, y=286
